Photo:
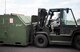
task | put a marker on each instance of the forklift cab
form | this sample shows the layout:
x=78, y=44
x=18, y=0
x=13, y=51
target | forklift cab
x=61, y=21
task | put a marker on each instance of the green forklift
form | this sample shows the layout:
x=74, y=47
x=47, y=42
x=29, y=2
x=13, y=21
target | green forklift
x=55, y=26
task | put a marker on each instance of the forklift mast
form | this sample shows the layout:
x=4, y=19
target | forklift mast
x=42, y=13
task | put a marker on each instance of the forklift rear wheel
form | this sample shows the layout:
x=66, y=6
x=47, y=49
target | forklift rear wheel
x=41, y=40
x=77, y=41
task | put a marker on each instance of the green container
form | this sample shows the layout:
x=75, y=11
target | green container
x=14, y=29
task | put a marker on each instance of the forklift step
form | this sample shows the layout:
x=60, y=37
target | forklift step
x=61, y=42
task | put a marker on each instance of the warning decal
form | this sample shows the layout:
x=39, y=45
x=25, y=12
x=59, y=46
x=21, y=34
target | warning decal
x=11, y=20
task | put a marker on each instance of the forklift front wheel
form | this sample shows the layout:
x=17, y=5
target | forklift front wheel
x=41, y=40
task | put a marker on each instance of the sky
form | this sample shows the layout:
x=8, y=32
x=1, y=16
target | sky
x=30, y=7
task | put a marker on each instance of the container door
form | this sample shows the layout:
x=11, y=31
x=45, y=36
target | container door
x=11, y=30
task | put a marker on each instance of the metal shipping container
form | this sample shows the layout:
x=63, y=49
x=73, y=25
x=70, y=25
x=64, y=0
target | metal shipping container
x=14, y=29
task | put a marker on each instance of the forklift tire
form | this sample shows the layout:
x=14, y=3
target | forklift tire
x=41, y=41
x=77, y=42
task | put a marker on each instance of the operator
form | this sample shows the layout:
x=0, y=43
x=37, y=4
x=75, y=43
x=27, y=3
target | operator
x=56, y=28
x=55, y=23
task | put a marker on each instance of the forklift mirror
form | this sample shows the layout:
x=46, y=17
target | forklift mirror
x=67, y=11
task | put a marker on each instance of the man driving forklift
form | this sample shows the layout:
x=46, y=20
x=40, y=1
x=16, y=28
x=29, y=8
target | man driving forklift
x=54, y=24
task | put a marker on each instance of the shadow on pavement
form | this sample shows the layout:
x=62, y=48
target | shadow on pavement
x=49, y=46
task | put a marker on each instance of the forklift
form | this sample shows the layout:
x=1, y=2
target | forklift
x=55, y=26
